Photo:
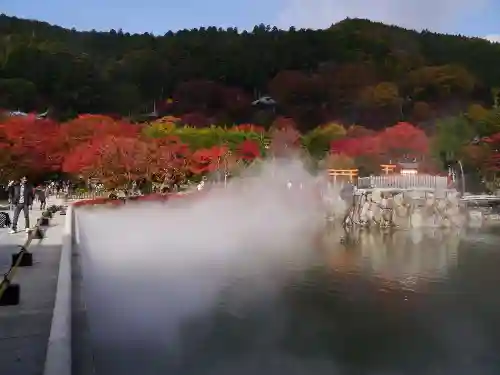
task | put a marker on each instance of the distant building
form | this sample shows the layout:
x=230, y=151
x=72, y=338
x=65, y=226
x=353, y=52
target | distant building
x=24, y=114
x=408, y=168
x=16, y=114
x=264, y=101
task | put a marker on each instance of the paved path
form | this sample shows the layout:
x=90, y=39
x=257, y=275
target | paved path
x=24, y=329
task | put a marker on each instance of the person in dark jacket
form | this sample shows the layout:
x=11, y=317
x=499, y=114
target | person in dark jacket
x=22, y=199
x=40, y=193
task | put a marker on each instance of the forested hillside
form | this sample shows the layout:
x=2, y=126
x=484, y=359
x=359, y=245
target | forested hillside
x=357, y=71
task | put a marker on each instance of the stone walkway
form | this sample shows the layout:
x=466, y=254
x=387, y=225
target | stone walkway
x=25, y=328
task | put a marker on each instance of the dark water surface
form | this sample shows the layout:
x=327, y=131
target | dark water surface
x=405, y=303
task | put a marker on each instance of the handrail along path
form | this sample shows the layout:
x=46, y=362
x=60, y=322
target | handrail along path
x=9, y=275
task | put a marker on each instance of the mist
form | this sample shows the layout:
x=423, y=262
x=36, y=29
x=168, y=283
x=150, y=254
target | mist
x=151, y=268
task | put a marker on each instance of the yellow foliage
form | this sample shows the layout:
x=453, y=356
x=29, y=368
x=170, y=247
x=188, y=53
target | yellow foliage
x=164, y=127
x=385, y=93
x=317, y=141
x=332, y=129
x=446, y=79
x=477, y=112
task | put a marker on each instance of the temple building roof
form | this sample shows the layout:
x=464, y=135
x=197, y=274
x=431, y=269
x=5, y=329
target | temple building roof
x=412, y=165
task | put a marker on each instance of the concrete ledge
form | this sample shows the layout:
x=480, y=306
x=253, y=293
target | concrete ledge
x=58, y=360
x=154, y=197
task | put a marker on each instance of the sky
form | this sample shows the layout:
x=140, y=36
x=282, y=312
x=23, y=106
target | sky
x=467, y=17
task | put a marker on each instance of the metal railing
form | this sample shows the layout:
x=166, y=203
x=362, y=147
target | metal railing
x=419, y=181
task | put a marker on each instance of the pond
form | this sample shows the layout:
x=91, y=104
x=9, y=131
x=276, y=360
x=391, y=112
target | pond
x=402, y=303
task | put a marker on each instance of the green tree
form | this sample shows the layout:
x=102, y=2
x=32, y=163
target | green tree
x=490, y=124
x=452, y=134
x=17, y=93
x=218, y=73
x=317, y=141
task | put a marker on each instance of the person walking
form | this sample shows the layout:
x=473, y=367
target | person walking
x=22, y=199
x=42, y=196
x=10, y=191
x=33, y=194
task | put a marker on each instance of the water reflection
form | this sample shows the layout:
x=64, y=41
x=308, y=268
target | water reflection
x=394, y=303
x=401, y=259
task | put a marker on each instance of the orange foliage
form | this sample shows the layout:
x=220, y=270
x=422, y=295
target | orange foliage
x=165, y=158
x=248, y=128
x=207, y=160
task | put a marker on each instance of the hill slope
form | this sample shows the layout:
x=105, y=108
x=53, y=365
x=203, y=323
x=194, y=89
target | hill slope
x=356, y=71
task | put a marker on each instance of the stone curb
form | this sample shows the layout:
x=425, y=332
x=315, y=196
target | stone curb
x=58, y=359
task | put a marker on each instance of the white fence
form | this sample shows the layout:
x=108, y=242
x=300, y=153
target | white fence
x=419, y=181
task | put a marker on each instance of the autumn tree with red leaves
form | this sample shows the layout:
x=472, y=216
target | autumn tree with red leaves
x=249, y=150
x=87, y=127
x=365, y=151
x=117, y=152
x=167, y=159
x=393, y=144
x=7, y=167
x=29, y=147
x=492, y=161
x=208, y=160
x=356, y=147
x=403, y=141
x=116, y=161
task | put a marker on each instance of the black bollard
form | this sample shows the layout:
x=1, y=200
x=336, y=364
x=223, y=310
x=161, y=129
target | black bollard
x=11, y=295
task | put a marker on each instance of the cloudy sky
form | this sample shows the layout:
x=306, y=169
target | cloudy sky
x=476, y=18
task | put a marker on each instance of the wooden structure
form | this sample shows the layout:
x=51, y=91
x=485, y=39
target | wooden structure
x=404, y=182
x=404, y=168
x=344, y=174
x=388, y=168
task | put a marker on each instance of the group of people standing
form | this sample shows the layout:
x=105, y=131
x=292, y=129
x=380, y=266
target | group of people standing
x=22, y=195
